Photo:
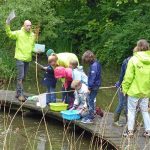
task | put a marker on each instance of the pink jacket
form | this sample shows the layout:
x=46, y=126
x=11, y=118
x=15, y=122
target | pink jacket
x=61, y=72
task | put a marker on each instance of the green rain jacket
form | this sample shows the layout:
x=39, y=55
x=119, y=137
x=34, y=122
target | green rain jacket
x=24, y=43
x=136, y=82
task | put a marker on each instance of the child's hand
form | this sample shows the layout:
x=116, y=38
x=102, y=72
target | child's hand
x=45, y=68
x=89, y=91
x=80, y=111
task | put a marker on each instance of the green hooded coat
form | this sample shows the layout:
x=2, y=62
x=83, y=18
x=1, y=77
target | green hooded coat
x=136, y=81
x=24, y=43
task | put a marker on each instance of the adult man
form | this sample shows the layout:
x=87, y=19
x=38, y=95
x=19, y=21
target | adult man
x=25, y=39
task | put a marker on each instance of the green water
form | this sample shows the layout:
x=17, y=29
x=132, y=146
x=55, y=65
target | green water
x=17, y=138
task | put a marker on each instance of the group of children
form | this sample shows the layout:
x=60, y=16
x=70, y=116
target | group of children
x=78, y=89
x=134, y=85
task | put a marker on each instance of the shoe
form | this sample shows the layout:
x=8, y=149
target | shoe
x=146, y=134
x=99, y=112
x=22, y=98
x=128, y=134
x=117, y=124
x=87, y=121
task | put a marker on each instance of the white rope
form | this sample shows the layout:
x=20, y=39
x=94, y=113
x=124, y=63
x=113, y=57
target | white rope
x=58, y=92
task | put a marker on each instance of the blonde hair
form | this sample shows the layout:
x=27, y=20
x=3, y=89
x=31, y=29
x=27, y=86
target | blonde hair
x=135, y=49
x=74, y=63
x=51, y=58
x=88, y=56
x=142, y=45
x=75, y=84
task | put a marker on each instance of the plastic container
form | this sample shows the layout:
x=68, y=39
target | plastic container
x=42, y=100
x=39, y=48
x=71, y=114
x=58, y=106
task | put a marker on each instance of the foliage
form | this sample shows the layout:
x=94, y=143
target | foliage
x=41, y=14
x=109, y=28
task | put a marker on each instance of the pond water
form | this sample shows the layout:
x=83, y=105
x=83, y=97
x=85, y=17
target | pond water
x=24, y=133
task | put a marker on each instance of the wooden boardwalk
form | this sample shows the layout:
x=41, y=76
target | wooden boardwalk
x=102, y=127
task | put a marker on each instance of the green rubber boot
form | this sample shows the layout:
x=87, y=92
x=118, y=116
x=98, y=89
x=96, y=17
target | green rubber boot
x=116, y=117
x=116, y=120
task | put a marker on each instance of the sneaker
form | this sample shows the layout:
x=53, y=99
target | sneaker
x=99, y=112
x=117, y=124
x=22, y=98
x=87, y=121
x=146, y=134
x=128, y=134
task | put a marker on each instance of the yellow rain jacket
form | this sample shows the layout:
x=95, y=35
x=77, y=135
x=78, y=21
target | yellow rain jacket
x=24, y=43
x=65, y=58
x=136, y=81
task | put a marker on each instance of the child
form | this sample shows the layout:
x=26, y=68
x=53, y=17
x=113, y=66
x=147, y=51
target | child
x=136, y=85
x=50, y=82
x=94, y=82
x=65, y=74
x=77, y=72
x=81, y=94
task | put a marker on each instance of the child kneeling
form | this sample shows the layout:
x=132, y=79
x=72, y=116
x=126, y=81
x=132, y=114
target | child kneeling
x=81, y=94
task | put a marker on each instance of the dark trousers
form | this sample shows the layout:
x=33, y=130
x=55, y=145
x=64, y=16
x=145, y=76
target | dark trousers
x=22, y=68
x=68, y=97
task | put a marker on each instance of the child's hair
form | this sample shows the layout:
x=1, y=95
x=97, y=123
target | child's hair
x=54, y=55
x=135, y=49
x=75, y=84
x=51, y=58
x=88, y=56
x=74, y=63
x=142, y=45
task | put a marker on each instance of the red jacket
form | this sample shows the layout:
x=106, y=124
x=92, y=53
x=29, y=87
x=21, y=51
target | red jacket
x=61, y=72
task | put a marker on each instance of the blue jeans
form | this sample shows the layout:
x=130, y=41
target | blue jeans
x=122, y=103
x=50, y=98
x=91, y=103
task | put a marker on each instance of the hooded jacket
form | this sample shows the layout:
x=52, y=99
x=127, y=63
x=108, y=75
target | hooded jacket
x=136, y=82
x=66, y=73
x=78, y=74
x=24, y=43
x=94, y=76
x=65, y=58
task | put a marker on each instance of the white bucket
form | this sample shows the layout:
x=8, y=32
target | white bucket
x=42, y=100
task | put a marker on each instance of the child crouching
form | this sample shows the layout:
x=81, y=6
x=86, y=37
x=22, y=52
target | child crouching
x=81, y=94
x=65, y=75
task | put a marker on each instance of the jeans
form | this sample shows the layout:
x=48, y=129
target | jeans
x=133, y=103
x=122, y=103
x=22, y=68
x=50, y=98
x=91, y=103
